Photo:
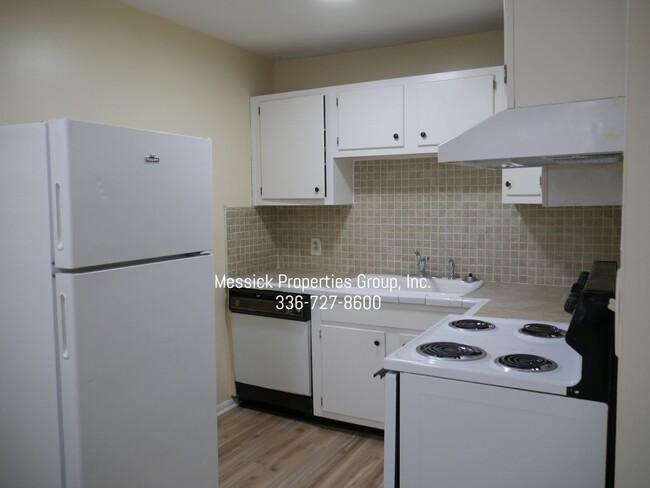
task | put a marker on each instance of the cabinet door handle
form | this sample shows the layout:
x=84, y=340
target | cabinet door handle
x=423, y=135
x=377, y=343
x=396, y=136
x=508, y=185
x=316, y=189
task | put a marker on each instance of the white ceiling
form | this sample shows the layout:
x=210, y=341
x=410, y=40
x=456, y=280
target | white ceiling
x=284, y=29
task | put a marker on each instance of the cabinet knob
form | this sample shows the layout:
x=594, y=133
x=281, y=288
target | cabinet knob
x=423, y=135
x=508, y=185
x=396, y=136
x=316, y=189
x=377, y=343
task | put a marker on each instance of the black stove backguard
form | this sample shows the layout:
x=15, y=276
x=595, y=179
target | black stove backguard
x=591, y=334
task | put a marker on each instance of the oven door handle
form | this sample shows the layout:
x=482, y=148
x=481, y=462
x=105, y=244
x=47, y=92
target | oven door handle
x=381, y=373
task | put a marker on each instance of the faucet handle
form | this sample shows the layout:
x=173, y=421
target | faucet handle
x=422, y=262
x=420, y=257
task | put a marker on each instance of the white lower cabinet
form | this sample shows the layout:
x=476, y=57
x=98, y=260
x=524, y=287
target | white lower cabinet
x=348, y=348
x=350, y=357
x=397, y=340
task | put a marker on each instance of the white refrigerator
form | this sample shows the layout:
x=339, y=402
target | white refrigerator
x=107, y=330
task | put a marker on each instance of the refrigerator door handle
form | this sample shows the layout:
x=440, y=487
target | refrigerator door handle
x=64, y=325
x=57, y=215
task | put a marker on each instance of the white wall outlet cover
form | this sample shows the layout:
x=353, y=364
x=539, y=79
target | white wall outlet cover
x=315, y=246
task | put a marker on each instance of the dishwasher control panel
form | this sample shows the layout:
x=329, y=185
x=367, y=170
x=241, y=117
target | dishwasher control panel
x=270, y=303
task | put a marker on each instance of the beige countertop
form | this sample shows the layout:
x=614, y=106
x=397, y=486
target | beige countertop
x=507, y=300
x=530, y=302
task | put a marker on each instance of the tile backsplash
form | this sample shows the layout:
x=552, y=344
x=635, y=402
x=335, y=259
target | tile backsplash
x=443, y=211
x=249, y=239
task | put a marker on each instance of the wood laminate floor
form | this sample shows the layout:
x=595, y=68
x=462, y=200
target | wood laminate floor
x=259, y=449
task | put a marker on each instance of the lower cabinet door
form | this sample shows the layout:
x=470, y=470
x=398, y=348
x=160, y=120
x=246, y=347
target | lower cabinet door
x=350, y=358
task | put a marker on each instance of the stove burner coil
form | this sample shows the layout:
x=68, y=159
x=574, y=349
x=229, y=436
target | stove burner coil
x=545, y=331
x=526, y=363
x=471, y=324
x=451, y=350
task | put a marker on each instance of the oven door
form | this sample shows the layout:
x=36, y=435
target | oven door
x=457, y=433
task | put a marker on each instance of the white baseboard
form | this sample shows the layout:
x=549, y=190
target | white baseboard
x=226, y=406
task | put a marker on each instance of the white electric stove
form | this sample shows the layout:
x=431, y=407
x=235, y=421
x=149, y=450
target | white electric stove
x=512, y=353
x=481, y=401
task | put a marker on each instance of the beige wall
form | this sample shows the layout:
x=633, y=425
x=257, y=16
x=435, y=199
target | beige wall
x=450, y=54
x=632, y=467
x=101, y=61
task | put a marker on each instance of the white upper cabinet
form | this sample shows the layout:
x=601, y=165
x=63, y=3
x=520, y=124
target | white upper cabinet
x=448, y=107
x=371, y=118
x=521, y=185
x=292, y=147
x=409, y=116
x=304, y=143
x=564, y=185
x=570, y=185
x=559, y=51
x=556, y=52
x=291, y=163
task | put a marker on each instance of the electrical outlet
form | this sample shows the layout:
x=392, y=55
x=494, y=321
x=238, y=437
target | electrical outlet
x=315, y=246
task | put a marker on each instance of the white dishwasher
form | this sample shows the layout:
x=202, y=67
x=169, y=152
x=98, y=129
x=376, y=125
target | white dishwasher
x=271, y=333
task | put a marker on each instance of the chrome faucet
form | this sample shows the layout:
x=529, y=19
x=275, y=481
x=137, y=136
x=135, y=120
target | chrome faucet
x=451, y=269
x=422, y=262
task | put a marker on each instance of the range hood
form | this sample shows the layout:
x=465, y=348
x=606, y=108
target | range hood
x=567, y=133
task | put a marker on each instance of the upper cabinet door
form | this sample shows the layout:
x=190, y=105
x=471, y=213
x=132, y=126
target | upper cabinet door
x=292, y=148
x=521, y=185
x=558, y=51
x=371, y=118
x=122, y=194
x=447, y=108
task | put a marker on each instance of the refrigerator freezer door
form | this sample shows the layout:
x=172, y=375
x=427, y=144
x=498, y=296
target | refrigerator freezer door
x=122, y=194
x=138, y=377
